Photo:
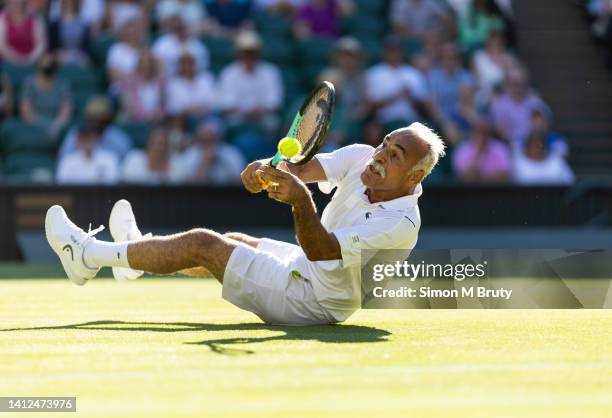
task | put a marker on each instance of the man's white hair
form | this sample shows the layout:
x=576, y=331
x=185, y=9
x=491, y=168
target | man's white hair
x=435, y=144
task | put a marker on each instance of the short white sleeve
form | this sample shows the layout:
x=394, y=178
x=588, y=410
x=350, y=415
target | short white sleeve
x=381, y=233
x=337, y=164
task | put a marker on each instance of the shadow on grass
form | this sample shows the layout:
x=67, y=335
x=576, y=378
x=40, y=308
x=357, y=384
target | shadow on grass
x=321, y=333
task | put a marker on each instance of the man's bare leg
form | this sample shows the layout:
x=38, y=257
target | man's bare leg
x=186, y=250
x=237, y=236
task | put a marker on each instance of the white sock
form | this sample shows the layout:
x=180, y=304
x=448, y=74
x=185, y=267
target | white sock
x=106, y=254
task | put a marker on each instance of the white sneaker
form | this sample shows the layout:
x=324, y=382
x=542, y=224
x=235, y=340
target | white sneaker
x=69, y=241
x=122, y=225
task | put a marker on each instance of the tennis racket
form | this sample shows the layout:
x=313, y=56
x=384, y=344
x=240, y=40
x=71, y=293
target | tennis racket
x=310, y=125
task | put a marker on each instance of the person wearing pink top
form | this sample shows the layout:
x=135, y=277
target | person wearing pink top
x=22, y=35
x=482, y=159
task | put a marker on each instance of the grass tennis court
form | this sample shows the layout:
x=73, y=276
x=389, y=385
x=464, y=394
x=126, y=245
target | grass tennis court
x=172, y=347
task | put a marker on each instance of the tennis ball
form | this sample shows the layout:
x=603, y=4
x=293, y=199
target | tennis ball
x=289, y=147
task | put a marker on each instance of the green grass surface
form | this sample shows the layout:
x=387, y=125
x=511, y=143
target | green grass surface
x=169, y=348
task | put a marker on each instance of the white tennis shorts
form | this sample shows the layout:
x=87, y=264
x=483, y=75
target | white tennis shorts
x=260, y=280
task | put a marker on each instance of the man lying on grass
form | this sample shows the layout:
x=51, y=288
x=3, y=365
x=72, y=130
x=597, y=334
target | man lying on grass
x=315, y=282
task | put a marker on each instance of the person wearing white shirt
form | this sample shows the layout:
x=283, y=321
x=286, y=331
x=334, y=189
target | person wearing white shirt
x=123, y=11
x=535, y=164
x=89, y=164
x=396, y=91
x=192, y=12
x=190, y=93
x=158, y=164
x=91, y=12
x=211, y=161
x=375, y=208
x=250, y=87
x=169, y=47
x=122, y=58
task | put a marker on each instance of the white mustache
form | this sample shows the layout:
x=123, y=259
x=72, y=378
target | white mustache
x=378, y=167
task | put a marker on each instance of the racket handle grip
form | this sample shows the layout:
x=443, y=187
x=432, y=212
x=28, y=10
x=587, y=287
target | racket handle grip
x=278, y=157
x=273, y=163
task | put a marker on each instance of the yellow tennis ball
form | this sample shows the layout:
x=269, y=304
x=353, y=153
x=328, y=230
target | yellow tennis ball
x=289, y=147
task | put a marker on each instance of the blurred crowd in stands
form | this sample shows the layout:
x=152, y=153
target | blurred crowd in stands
x=178, y=91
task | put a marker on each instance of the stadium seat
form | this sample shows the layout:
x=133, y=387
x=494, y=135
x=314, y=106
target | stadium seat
x=17, y=136
x=273, y=25
x=30, y=166
x=138, y=133
x=371, y=7
x=99, y=49
x=372, y=47
x=412, y=46
x=221, y=52
x=293, y=82
x=364, y=24
x=17, y=74
x=315, y=51
x=278, y=50
x=80, y=78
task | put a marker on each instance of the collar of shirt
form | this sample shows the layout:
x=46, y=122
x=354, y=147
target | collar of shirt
x=399, y=203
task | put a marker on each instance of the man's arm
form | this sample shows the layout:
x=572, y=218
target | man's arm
x=311, y=172
x=317, y=243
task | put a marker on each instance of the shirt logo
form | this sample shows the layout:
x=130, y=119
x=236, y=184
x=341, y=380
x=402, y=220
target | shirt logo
x=355, y=239
x=368, y=214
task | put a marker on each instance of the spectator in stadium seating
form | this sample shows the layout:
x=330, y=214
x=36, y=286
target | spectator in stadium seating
x=347, y=61
x=189, y=93
x=540, y=125
x=143, y=94
x=46, y=100
x=430, y=56
x=192, y=12
x=23, y=38
x=159, y=163
x=601, y=11
x=88, y=164
x=321, y=18
x=491, y=65
x=482, y=159
x=123, y=55
x=414, y=18
x=536, y=164
x=250, y=89
x=119, y=12
x=98, y=116
x=466, y=114
x=396, y=91
x=169, y=47
x=477, y=23
x=69, y=35
x=180, y=132
x=511, y=111
x=210, y=160
x=229, y=17
x=91, y=12
x=338, y=134
x=446, y=80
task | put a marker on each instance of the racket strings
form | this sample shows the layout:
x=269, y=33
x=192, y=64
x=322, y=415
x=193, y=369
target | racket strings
x=311, y=124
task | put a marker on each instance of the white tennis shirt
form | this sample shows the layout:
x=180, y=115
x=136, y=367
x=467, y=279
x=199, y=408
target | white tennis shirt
x=357, y=224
